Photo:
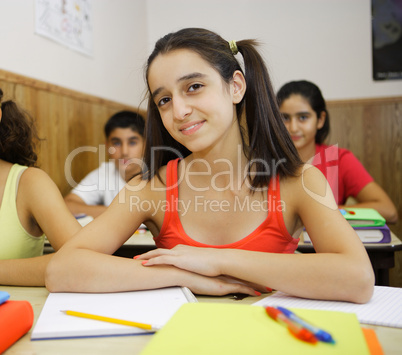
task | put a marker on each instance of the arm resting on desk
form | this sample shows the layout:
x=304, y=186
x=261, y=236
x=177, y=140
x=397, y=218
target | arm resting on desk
x=24, y=272
x=373, y=196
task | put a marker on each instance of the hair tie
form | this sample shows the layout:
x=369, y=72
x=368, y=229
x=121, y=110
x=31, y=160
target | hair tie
x=233, y=47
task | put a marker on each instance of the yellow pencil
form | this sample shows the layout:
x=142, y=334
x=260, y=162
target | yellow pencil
x=110, y=320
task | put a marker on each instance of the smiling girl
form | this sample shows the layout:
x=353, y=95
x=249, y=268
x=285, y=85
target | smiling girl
x=306, y=117
x=231, y=237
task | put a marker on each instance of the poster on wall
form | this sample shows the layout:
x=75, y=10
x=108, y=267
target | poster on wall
x=68, y=22
x=387, y=39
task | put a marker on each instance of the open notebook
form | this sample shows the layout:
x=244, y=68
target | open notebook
x=384, y=308
x=154, y=307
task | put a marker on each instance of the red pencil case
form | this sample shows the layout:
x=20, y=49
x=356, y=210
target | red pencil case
x=16, y=318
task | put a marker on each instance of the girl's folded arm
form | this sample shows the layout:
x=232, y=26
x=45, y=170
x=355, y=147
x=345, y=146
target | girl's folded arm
x=339, y=270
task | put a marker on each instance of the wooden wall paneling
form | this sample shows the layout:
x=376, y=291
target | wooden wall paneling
x=66, y=120
x=374, y=136
x=372, y=130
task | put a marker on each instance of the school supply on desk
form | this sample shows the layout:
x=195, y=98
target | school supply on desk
x=110, y=320
x=363, y=217
x=374, y=234
x=372, y=341
x=367, y=235
x=16, y=319
x=295, y=329
x=384, y=308
x=4, y=296
x=151, y=307
x=319, y=334
x=224, y=328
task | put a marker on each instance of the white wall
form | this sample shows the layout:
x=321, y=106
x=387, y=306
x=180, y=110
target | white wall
x=325, y=41
x=115, y=70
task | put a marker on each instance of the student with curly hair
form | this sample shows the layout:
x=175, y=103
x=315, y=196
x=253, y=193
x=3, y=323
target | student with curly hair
x=31, y=205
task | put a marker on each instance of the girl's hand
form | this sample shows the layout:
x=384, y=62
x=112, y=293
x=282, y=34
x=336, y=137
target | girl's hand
x=204, y=261
x=205, y=275
x=218, y=286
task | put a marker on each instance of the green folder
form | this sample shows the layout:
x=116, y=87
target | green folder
x=224, y=328
x=363, y=217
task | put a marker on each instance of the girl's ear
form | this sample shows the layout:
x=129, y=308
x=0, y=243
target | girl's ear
x=321, y=120
x=239, y=86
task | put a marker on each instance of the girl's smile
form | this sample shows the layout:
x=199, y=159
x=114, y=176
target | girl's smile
x=191, y=128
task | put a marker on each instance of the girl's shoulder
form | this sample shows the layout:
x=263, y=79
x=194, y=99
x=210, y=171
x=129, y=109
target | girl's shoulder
x=308, y=183
x=34, y=177
x=332, y=152
x=150, y=187
x=36, y=184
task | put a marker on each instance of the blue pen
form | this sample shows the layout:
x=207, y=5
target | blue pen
x=320, y=334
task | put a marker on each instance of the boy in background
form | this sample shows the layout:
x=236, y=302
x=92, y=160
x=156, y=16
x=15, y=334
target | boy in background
x=124, y=133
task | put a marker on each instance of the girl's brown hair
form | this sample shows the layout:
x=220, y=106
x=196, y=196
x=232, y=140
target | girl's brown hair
x=18, y=135
x=266, y=140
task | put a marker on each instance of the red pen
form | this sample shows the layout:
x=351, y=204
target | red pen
x=295, y=329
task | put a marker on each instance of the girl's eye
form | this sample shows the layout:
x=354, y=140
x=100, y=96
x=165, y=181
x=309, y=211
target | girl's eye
x=285, y=118
x=303, y=118
x=195, y=87
x=163, y=101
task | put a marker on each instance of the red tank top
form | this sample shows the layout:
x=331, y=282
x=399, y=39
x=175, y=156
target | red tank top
x=270, y=236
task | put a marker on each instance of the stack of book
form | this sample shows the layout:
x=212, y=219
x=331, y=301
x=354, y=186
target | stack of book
x=368, y=223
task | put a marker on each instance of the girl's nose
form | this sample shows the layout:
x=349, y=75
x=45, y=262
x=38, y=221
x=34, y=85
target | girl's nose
x=180, y=108
x=293, y=126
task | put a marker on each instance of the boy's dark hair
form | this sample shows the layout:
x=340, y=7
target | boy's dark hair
x=125, y=119
x=18, y=135
x=266, y=140
x=313, y=95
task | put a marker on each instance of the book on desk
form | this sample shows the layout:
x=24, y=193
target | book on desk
x=153, y=307
x=368, y=224
x=363, y=217
x=215, y=328
x=221, y=328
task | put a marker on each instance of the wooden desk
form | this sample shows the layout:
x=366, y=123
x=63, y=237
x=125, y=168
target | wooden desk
x=388, y=337
x=140, y=242
x=382, y=257
x=137, y=244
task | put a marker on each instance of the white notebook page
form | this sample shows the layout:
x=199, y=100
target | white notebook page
x=153, y=307
x=384, y=308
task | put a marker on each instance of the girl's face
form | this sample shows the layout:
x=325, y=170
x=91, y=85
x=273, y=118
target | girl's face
x=301, y=120
x=196, y=106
